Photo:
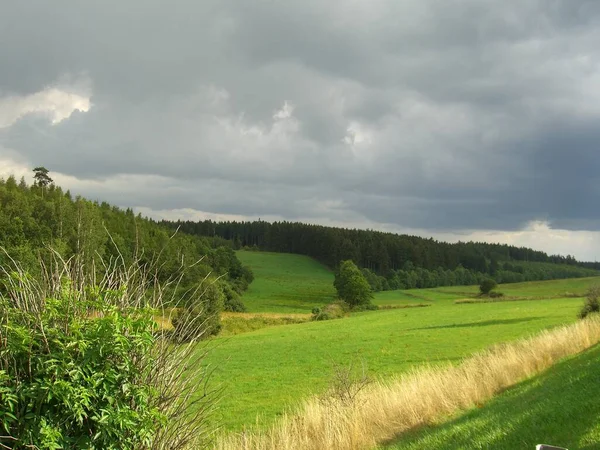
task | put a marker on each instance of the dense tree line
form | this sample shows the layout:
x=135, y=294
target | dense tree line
x=42, y=216
x=395, y=261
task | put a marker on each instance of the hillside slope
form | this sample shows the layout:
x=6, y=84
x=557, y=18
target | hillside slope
x=286, y=283
x=559, y=407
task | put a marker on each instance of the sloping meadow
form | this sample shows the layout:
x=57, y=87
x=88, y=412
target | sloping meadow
x=385, y=409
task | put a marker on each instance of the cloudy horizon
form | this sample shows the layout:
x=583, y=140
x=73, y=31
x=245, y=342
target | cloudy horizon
x=464, y=120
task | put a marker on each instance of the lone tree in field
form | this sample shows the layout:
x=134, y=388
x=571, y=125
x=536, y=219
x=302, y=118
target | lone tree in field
x=351, y=285
x=487, y=286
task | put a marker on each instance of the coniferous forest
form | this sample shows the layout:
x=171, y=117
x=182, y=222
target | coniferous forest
x=392, y=261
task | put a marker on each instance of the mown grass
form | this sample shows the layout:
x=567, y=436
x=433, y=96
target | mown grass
x=559, y=407
x=383, y=409
x=286, y=283
x=272, y=369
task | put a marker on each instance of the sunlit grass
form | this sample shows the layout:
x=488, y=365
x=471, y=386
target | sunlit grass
x=286, y=283
x=269, y=370
x=559, y=407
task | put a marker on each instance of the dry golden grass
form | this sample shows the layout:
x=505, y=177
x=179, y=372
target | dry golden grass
x=225, y=315
x=236, y=323
x=163, y=322
x=385, y=409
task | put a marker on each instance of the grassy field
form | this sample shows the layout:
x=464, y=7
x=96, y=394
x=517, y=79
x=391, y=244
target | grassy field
x=266, y=371
x=270, y=370
x=286, y=283
x=539, y=289
x=559, y=407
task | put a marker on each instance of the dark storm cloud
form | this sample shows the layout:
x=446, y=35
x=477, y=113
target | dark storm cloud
x=424, y=114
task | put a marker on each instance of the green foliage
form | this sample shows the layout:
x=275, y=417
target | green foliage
x=199, y=315
x=34, y=218
x=74, y=374
x=232, y=301
x=592, y=302
x=351, y=285
x=487, y=286
x=377, y=282
x=41, y=177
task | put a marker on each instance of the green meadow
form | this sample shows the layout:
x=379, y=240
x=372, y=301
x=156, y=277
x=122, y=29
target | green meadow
x=285, y=283
x=266, y=372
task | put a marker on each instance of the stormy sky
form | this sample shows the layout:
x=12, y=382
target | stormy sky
x=458, y=119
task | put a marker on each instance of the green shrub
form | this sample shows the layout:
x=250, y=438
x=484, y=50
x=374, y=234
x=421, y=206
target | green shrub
x=83, y=364
x=232, y=302
x=496, y=294
x=487, y=286
x=72, y=374
x=592, y=303
x=200, y=316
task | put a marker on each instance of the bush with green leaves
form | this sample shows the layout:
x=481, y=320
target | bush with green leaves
x=233, y=302
x=72, y=377
x=200, y=314
x=487, y=286
x=592, y=302
x=85, y=365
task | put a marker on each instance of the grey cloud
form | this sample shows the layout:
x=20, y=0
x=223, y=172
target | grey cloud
x=465, y=115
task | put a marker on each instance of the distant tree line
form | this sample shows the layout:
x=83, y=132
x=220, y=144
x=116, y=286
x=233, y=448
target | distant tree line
x=35, y=218
x=392, y=261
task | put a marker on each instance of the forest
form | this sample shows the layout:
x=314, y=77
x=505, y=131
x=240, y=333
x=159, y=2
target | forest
x=41, y=218
x=392, y=261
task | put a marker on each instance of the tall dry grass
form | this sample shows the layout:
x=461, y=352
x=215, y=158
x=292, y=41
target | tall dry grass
x=386, y=409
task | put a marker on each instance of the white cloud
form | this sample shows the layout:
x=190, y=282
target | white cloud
x=285, y=112
x=357, y=134
x=9, y=167
x=57, y=103
x=195, y=215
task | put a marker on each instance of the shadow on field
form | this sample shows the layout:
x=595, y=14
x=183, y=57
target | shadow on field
x=560, y=407
x=485, y=323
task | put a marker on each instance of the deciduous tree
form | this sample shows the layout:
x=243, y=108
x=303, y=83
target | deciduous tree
x=351, y=285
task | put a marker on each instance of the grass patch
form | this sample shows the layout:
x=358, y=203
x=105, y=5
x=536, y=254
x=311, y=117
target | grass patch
x=571, y=287
x=272, y=369
x=504, y=299
x=416, y=305
x=286, y=283
x=378, y=411
x=559, y=407
x=237, y=323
